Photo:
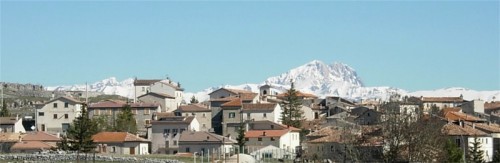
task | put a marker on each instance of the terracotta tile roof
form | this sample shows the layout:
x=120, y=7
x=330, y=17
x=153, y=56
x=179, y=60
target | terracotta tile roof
x=442, y=99
x=265, y=133
x=325, y=131
x=120, y=104
x=203, y=136
x=455, y=116
x=40, y=136
x=193, y=108
x=334, y=137
x=247, y=96
x=456, y=130
x=259, y=107
x=140, y=82
x=160, y=95
x=164, y=114
x=174, y=120
x=237, y=91
x=8, y=120
x=232, y=103
x=450, y=109
x=299, y=94
x=116, y=137
x=492, y=105
x=488, y=128
x=27, y=145
x=166, y=82
x=10, y=137
x=224, y=99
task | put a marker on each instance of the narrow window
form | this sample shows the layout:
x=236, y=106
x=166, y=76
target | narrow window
x=41, y=113
x=259, y=139
x=55, y=116
x=265, y=115
x=66, y=116
x=66, y=105
x=55, y=105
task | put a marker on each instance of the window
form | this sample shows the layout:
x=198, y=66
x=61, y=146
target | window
x=259, y=139
x=265, y=115
x=246, y=139
x=332, y=148
x=272, y=126
x=55, y=116
x=66, y=116
x=166, y=132
x=147, y=111
x=457, y=141
x=96, y=111
x=41, y=113
x=66, y=105
x=147, y=121
x=272, y=139
x=134, y=111
x=203, y=115
x=248, y=115
x=175, y=142
x=113, y=149
x=187, y=149
x=264, y=92
x=203, y=125
x=55, y=105
x=43, y=127
x=232, y=114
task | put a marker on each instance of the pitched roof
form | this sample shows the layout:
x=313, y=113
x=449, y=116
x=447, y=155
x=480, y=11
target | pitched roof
x=456, y=130
x=193, y=108
x=259, y=107
x=8, y=120
x=40, y=136
x=26, y=145
x=160, y=95
x=455, y=116
x=243, y=94
x=65, y=98
x=450, y=109
x=203, y=136
x=442, y=99
x=141, y=82
x=492, y=105
x=116, y=137
x=176, y=87
x=233, y=103
x=334, y=137
x=325, y=131
x=264, y=133
x=174, y=120
x=160, y=115
x=488, y=128
x=224, y=99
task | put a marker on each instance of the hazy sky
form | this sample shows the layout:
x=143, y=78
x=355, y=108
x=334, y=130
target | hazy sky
x=409, y=45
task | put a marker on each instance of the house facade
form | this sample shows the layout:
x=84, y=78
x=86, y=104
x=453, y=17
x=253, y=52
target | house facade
x=202, y=142
x=120, y=143
x=166, y=131
x=465, y=134
x=286, y=139
x=440, y=102
x=143, y=112
x=261, y=111
x=201, y=112
x=11, y=124
x=56, y=115
x=168, y=103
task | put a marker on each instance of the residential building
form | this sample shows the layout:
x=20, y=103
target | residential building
x=122, y=143
x=262, y=111
x=11, y=124
x=7, y=139
x=35, y=142
x=143, y=112
x=473, y=107
x=202, y=142
x=440, y=102
x=225, y=95
x=56, y=115
x=232, y=118
x=465, y=134
x=166, y=102
x=143, y=86
x=368, y=117
x=268, y=91
x=166, y=131
x=285, y=138
x=167, y=87
x=201, y=112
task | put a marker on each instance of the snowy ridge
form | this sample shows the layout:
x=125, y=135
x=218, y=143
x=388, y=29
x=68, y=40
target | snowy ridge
x=315, y=77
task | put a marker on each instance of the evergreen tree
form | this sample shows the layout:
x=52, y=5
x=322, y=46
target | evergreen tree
x=79, y=134
x=454, y=154
x=241, y=137
x=292, y=115
x=475, y=152
x=496, y=156
x=194, y=100
x=126, y=121
x=4, y=112
x=103, y=124
x=64, y=144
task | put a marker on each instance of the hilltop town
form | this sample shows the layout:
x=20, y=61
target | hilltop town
x=270, y=124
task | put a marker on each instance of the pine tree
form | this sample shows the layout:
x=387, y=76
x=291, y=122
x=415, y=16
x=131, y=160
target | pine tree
x=454, y=154
x=4, y=112
x=475, y=152
x=79, y=134
x=291, y=115
x=241, y=137
x=126, y=121
x=194, y=100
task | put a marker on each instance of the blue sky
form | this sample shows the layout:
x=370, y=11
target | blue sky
x=409, y=45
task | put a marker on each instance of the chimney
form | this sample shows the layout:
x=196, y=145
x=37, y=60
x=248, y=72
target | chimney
x=58, y=135
x=20, y=139
x=473, y=125
x=461, y=123
x=264, y=133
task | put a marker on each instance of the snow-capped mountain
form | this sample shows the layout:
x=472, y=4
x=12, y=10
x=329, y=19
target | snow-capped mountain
x=315, y=77
x=109, y=86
